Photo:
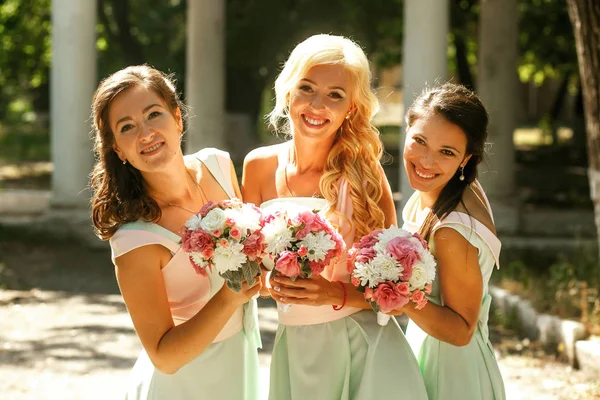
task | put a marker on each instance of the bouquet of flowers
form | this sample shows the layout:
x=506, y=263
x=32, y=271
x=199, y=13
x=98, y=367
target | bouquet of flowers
x=392, y=267
x=300, y=243
x=227, y=236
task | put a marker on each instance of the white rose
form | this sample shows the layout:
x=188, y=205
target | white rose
x=419, y=278
x=194, y=222
x=215, y=219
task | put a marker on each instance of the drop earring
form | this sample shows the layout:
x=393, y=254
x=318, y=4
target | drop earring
x=124, y=161
x=462, y=174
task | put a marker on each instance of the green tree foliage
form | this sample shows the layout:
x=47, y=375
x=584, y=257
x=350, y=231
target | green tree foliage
x=24, y=52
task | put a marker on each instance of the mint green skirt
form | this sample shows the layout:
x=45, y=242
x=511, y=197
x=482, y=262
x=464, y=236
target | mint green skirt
x=225, y=370
x=353, y=358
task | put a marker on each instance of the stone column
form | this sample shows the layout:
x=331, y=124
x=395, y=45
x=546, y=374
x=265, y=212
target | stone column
x=205, y=74
x=425, y=60
x=72, y=84
x=497, y=85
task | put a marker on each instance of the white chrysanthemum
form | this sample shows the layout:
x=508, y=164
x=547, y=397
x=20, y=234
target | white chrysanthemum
x=277, y=236
x=194, y=222
x=318, y=245
x=229, y=258
x=426, y=267
x=387, y=235
x=198, y=259
x=388, y=268
x=214, y=220
x=367, y=275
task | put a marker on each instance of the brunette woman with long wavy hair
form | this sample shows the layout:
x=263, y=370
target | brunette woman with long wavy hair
x=198, y=342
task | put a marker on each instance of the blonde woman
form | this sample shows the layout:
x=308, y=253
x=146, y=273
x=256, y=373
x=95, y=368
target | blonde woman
x=329, y=345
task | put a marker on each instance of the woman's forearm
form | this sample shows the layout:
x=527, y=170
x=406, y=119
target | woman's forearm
x=182, y=343
x=442, y=323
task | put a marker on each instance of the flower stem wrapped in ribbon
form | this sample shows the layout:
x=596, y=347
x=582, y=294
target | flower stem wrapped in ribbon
x=392, y=267
x=300, y=243
x=226, y=236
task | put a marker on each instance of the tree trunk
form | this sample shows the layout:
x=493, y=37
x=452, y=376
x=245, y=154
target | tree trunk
x=585, y=18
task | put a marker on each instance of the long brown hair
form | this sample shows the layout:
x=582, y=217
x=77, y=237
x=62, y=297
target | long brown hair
x=461, y=107
x=118, y=191
x=357, y=150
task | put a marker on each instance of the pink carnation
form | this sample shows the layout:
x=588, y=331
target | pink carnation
x=355, y=281
x=388, y=297
x=317, y=267
x=404, y=251
x=208, y=252
x=368, y=293
x=199, y=270
x=196, y=241
x=365, y=255
x=254, y=246
x=369, y=240
x=207, y=207
x=423, y=242
x=288, y=264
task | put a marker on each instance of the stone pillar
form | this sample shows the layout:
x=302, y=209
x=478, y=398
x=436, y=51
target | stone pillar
x=205, y=74
x=425, y=60
x=72, y=84
x=497, y=85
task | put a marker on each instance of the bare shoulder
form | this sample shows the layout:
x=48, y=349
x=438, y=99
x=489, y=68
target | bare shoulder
x=264, y=154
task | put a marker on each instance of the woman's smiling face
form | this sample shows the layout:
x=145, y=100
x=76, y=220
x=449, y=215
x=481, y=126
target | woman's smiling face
x=433, y=152
x=147, y=133
x=320, y=101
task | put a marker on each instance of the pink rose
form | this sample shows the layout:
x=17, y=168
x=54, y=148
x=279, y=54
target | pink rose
x=254, y=246
x=288, y=264
x=428, y=288
x=302, y=251
x=195, y=241
x=230, y=222
x=388, y=298
x=223, y=242
x=417, y=296
x=403, y=250
x=307, y=219
x=421, y=304
x=403, y=288
x=208, y=252
x=217, y=233
x=235, y=233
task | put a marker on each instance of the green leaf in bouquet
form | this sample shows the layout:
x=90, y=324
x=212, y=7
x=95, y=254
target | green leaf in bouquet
x=233, y=279
x=374, y=306
x=250, y=270
x=305, y=268
x=361, y=288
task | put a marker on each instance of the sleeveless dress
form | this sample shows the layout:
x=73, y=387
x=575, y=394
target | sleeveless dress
x=322, y=354
x=227, y=368
x=468, y=372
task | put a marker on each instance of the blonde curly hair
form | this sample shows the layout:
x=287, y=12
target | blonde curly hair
x=357, y=150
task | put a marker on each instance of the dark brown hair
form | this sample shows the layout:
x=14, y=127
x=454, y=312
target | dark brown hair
x=461, y=107
x=118, y=191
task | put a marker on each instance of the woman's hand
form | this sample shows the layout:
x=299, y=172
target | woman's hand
x=264, y=276
x=236, y=299
x=316, y=291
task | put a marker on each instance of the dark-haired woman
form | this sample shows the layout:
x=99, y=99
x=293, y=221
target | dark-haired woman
x=447, y=130
x=198, y=337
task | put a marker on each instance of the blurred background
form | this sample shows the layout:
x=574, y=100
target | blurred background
x=64, y=332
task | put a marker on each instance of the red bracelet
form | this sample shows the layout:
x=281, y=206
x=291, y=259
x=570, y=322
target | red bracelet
x=337, y=308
